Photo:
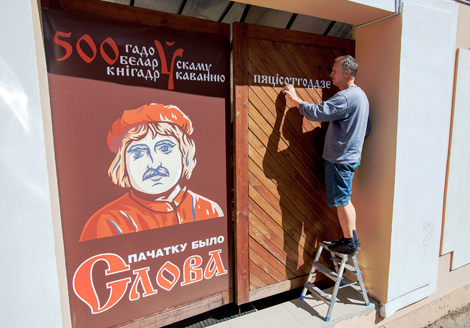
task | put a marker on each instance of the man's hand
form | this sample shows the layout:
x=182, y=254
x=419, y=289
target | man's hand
x=291, y=96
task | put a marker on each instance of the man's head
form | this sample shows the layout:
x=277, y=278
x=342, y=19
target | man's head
x=344, y=70
x=153, y=148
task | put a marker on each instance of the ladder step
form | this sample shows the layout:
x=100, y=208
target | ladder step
x=327, y=272
x=346, y=265
x=318, y=293
x=353, y=284
x=345, y=282
x=348, y=283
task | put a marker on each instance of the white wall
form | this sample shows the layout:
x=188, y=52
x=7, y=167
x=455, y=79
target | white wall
x=399, y=189
x=30, y=288
x=457, y=223
x=425, y=99
x=456, y=216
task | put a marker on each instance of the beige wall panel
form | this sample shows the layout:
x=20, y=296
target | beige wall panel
x=378, y=54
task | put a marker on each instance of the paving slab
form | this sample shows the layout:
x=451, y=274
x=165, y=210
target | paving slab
x=310, y=312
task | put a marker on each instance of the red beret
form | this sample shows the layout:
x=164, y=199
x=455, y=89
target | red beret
x=153, y=113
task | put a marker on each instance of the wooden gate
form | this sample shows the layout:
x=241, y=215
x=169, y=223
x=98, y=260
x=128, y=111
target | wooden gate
x=280, y=205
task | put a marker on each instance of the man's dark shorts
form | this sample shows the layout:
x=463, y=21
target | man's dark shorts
x=338, y=180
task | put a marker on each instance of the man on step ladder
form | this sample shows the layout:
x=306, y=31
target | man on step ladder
x=348, y=115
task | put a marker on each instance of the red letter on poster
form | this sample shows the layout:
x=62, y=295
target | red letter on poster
x=191, y=271
x=83, y=283
x=143, y=278
x=214, y=265
x=172, y=269
x=177, y=53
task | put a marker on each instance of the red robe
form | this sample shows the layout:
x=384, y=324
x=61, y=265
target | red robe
x=130, y=213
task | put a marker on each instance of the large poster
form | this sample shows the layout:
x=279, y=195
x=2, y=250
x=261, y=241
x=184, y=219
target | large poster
x=140, y=135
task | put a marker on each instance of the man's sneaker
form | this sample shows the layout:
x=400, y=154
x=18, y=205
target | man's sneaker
x=332, y=243
x=343, y=248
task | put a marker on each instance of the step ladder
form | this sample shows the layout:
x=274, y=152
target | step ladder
x=340, y=265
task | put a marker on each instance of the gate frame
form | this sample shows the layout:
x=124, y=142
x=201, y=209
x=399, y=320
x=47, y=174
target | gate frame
x=241, y=32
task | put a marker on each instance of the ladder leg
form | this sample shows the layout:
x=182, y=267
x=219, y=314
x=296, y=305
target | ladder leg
x=336, y=288
x=361, y=282
x=312, y=271
x=317, y=256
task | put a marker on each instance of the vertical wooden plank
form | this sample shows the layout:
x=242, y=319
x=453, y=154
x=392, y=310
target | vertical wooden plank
x=240, y=85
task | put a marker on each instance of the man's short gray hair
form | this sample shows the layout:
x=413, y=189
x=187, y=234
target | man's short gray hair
x=349, y=63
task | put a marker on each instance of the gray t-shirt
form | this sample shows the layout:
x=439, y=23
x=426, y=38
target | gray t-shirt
x=348, y=113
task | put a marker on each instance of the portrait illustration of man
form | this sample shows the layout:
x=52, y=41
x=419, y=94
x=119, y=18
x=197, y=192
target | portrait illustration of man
x=155, y=156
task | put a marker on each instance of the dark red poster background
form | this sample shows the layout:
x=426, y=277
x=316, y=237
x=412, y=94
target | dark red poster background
x=85, y=101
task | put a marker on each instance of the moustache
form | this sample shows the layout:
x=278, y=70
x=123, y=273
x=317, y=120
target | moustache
x=158, y=172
